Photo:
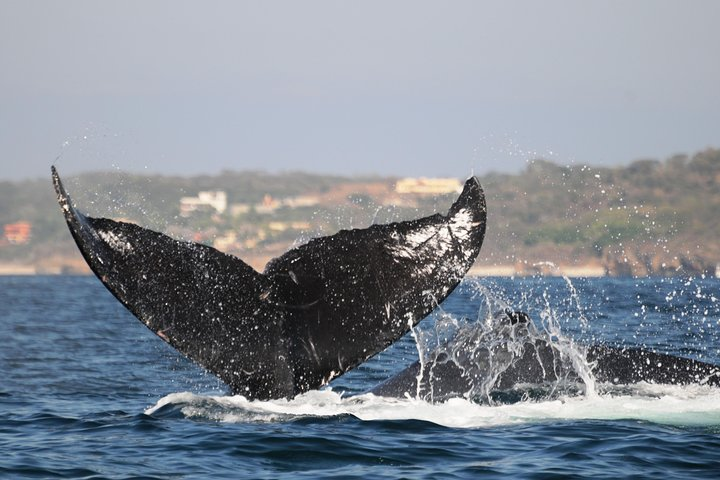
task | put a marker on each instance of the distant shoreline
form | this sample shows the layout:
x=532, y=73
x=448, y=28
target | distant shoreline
x=651, y=218
x=592, y=270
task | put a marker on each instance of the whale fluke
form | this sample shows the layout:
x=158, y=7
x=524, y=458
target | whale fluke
x=316, y=312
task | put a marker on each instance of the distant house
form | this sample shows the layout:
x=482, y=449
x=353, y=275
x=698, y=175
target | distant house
x=282, y=226
x=268, y=205
x=301, y=201
x=428, y=186
x=239, y=209
x=215, y=200
x=17, y=233
x=226, y=241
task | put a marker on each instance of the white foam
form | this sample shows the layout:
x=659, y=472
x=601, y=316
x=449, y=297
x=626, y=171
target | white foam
x=693, y=405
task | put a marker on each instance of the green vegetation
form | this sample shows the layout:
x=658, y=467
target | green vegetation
x=669, y=207
x=548, y=212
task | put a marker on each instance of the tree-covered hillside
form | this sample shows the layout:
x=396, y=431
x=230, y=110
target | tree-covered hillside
x=642, y=216
x=651, y=217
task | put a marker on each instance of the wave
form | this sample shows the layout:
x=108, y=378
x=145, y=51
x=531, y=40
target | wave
x=484, y=343
x=688, y=406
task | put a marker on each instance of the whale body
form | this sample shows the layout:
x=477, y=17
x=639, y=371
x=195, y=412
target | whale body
x=507, y=357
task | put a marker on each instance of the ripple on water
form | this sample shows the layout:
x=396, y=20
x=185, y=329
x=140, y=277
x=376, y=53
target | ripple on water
x=86, y=394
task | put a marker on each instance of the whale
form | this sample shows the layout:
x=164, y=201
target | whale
x=314, y=313
x=324, y=307
x=507, y=358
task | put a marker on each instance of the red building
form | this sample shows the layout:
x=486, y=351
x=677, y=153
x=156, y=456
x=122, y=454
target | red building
x=18, y=233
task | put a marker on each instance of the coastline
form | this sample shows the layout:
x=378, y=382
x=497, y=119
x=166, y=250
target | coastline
x=67, y=266
x=545, y=270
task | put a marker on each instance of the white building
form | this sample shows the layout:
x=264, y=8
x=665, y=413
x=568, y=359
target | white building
x=216, y=200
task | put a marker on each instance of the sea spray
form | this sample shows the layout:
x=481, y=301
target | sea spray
x=498, y=352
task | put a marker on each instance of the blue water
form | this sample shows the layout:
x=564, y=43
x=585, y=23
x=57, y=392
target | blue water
x=87, y=392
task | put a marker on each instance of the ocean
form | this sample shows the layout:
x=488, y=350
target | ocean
x=87, y=391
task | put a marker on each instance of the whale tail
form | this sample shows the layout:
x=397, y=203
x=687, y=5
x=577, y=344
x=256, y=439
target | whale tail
x=316, y=312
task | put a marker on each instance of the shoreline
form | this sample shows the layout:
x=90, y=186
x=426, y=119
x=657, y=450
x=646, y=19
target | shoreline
x=589, y=270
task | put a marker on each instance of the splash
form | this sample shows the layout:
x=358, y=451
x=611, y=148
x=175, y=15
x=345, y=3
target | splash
x=469, y=338
x=663, y=404
x=501, y=356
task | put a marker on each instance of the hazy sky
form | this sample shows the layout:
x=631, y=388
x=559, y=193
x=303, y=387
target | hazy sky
x=388, y=87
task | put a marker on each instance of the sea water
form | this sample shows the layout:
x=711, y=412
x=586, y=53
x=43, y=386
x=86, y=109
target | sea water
x=86, y=391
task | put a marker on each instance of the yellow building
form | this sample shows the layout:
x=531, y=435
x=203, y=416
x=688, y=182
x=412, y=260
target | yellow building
x=428, y=186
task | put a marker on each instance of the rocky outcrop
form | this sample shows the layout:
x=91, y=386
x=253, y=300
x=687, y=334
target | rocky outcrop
x=640, y=262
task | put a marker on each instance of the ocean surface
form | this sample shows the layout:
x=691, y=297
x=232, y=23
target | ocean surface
x=86, y=391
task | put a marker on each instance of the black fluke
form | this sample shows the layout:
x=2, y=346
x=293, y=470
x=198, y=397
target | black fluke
x=316, y=312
